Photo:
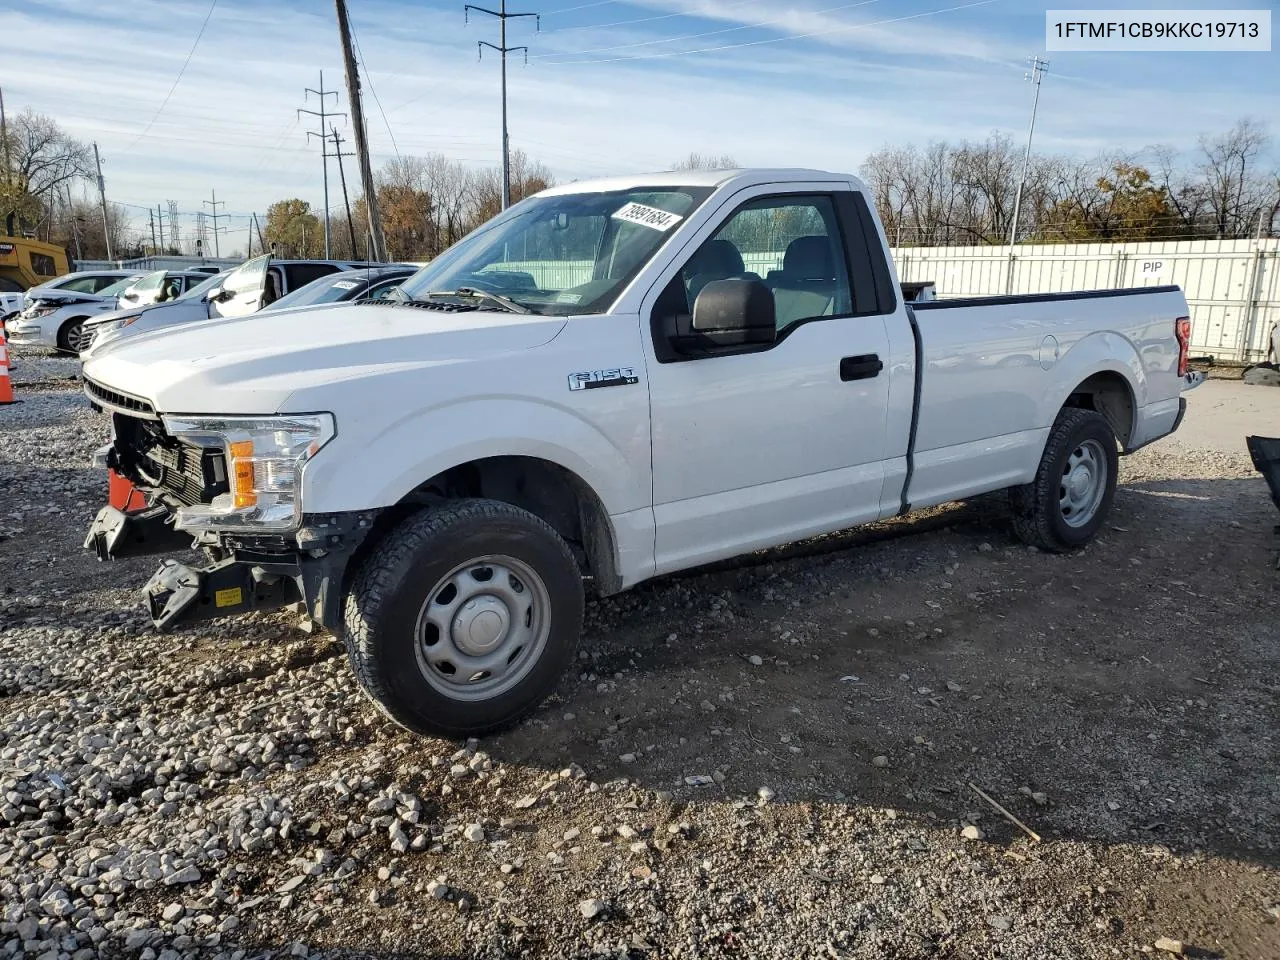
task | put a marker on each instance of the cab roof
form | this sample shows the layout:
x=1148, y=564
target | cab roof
x=739, y=177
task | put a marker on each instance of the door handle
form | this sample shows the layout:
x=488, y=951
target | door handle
x=862, y=367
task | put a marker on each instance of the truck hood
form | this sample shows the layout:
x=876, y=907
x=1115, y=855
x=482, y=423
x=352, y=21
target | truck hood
x=253, y=364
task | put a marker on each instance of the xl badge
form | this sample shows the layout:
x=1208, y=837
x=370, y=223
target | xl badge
x=617, y=377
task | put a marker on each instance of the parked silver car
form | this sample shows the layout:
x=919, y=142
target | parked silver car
x=242, y=291
x=58, y=321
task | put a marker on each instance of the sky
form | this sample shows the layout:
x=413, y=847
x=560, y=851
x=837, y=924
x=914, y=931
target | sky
x=610, y=87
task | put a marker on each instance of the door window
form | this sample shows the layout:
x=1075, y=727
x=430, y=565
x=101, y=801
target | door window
x=247, y=278
x=300, y=274
x=792, y=244
x=380, y=291
x=82, y=285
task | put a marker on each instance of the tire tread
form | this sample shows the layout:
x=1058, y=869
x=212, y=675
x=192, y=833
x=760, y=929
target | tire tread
x=1028, y=502
x=383, y=572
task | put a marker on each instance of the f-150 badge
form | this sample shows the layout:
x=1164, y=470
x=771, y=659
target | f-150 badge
x=589, y=380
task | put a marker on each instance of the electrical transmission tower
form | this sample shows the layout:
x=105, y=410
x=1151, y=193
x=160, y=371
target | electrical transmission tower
x=502, y=48
x=322, y=113
x=174, y=236
x=214, y=204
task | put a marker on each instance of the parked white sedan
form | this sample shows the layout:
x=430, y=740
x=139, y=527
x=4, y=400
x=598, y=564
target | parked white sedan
x=59, y=323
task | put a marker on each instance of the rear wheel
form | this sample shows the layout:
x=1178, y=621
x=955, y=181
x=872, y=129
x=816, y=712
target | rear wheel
x=1071, y=495
x=464, y=618
x=72, y=337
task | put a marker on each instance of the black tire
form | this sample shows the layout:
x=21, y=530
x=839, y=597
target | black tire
x=1039, y=516
x=65, y=335
x=392, y=589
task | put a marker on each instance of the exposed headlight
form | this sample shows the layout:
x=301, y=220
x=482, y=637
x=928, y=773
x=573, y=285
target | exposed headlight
x=264, y=459
x=39, y=309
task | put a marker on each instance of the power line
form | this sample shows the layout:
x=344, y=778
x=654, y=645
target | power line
x=165, y=102
x=709, y=33
x=584, y=6
x=756, y=43
x=502, y=48
x=369, y=80
x=660, y=16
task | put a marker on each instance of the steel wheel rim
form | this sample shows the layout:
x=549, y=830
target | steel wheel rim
x=1083, y=484
x=482, y=628
x=76, y=338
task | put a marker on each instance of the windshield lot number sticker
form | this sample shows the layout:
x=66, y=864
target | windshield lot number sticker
x=647, y=216
x=591, y=379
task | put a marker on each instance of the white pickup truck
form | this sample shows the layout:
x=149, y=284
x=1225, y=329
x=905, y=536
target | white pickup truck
x=610, y=381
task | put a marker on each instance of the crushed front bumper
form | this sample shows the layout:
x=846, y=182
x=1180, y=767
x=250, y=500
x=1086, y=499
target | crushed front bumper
x=114, y=534
x=245, y=573
x=177, y=593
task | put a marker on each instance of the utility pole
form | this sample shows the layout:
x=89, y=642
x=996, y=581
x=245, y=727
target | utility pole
x=214, y=205
x=324, y=154
x=151, y=219
x=102, y=198
x=503, y=50
x=1035, y=76
x=351, y=226
x=262, y=244
x=377, y=243
x=160, y=221
x=4, y=139
x=71, y=214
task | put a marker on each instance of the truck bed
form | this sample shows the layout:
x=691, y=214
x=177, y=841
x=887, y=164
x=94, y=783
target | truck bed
x=994, y=371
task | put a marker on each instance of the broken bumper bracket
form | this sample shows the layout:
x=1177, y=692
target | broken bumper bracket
x=177, y=593
x=115, y=534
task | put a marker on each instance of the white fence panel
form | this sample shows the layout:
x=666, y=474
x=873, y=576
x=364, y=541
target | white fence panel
x=1232, y=286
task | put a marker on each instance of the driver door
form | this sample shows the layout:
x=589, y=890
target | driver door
x=242, y=291
x=770, y=443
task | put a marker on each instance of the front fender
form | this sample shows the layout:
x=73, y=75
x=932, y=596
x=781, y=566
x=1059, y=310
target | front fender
x=357, y=471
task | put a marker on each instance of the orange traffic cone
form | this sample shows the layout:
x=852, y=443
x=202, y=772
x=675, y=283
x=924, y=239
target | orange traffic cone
x=6, y=388
x=122, y=494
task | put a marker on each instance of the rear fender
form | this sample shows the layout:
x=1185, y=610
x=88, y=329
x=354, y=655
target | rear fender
x=1104, y=352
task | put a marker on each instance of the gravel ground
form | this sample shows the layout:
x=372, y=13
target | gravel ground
x=764, y=759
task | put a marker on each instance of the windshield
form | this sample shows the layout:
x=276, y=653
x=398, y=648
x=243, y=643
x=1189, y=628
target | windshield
x=117, y=288
x=560, y=254
x=204, y=286
x=322, y=290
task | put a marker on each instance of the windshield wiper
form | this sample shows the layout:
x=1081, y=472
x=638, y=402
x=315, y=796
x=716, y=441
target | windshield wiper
x=473, y=294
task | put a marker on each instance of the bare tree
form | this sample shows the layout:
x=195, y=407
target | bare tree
x=698, y=161
x=1234, y=190
x=42, y=158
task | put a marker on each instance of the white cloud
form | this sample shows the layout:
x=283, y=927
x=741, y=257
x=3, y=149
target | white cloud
x=231, y=124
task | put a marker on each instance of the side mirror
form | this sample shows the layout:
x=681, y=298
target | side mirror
x=220, y=295
x=734, y=312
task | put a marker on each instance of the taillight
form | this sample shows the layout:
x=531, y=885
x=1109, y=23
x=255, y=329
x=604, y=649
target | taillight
x=1182, y=327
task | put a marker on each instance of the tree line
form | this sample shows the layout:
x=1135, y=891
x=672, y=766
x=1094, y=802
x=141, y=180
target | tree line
x=949, y=194
x=1228, y=187
x=426, y=204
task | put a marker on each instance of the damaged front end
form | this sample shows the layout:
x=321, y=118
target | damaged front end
x=245, y=570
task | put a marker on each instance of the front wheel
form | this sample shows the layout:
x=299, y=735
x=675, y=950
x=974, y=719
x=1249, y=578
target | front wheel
x=72, y=337
x=464, y=618
x=1070, y=497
